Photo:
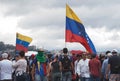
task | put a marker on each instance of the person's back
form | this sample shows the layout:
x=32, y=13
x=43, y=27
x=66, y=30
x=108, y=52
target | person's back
x=56, y=69
x=6, y=69
x=114, y=67
x=95, y=68
x=67, y=66
x=114, y=62
x=21, y=67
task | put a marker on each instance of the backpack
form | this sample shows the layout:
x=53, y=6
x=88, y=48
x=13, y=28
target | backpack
x=117, y=69
x=66, y=64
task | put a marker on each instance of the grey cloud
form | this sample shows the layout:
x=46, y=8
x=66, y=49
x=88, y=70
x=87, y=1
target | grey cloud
x=43, y=18
x=48, y=33
x=91, y=12
x=21, y=7
x=92, y=3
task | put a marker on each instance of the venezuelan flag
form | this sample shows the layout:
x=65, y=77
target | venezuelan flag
x=75, y=31
x=22, y=42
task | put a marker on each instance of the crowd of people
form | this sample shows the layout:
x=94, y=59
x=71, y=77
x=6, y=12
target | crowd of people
x=63, y=67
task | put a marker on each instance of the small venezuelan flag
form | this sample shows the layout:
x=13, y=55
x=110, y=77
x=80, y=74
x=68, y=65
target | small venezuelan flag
x=22, y=42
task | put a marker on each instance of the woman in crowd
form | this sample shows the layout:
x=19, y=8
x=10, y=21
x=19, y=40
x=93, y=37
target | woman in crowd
x=20, y=67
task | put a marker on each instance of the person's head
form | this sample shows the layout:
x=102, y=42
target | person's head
x=102, y=56
x=56, y=58
x=65, y=50
x=22, y=54
x=78, y=56
x=84, y=55
x=16, y=57
x=32, y=56
x=93, y=56
x=114, y=52
x=41, y=57
x=89, y=56
x=107, y=52
x=41, y=53
x=109, y=55
x=4, y=55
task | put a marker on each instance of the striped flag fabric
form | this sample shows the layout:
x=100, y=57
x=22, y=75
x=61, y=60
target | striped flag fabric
x=75, y=31
x=22, y=42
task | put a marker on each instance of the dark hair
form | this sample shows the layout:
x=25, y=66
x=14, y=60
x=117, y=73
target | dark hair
x=22, y=53
x=65, y=50
x=93, y=55
x=77, y=55
x=107, y=52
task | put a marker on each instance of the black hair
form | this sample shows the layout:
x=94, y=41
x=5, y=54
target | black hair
x=22, y=53
x=107, y=52
x=93, y=55
x=77, y=55
x=65, y=50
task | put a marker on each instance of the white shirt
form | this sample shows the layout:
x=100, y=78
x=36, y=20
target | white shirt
x=83, y=68
x=6, y=69
x=20, y=65
x=75, y=67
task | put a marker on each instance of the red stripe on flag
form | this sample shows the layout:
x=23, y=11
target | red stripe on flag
x=21, y=48
x=70, y=37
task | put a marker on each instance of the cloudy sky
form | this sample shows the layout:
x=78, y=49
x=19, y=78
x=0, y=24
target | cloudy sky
x=44, y=21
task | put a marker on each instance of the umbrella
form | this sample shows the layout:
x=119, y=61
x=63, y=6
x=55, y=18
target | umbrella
x=76, y=52
x=29, y=53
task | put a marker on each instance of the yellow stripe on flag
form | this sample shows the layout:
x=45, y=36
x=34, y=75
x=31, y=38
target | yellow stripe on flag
x=24, y=38
x=71, y=14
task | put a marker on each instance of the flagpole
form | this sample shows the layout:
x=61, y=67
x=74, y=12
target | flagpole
x=65, y=23
x=65, y=44
x=15, y=44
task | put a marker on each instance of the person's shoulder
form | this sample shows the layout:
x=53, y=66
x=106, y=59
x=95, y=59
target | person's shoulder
x=88, y=59
x=105, y=61
x=81, y=60
x=34, y=60
x=9, y=61
x=21, y=60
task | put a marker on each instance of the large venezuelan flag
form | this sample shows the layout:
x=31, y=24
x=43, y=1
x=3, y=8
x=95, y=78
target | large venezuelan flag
x=22, y=42
x=75, y=31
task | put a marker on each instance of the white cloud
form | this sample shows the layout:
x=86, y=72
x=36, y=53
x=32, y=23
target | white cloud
x=104, y=39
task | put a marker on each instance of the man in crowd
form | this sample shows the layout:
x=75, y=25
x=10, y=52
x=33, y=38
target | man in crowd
x=83, y=68
x=39, y=69
x=95, y=68
x=75, y=66
x=104, y=66
x=5, y=68
x=114, y=67
x=67, y=66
